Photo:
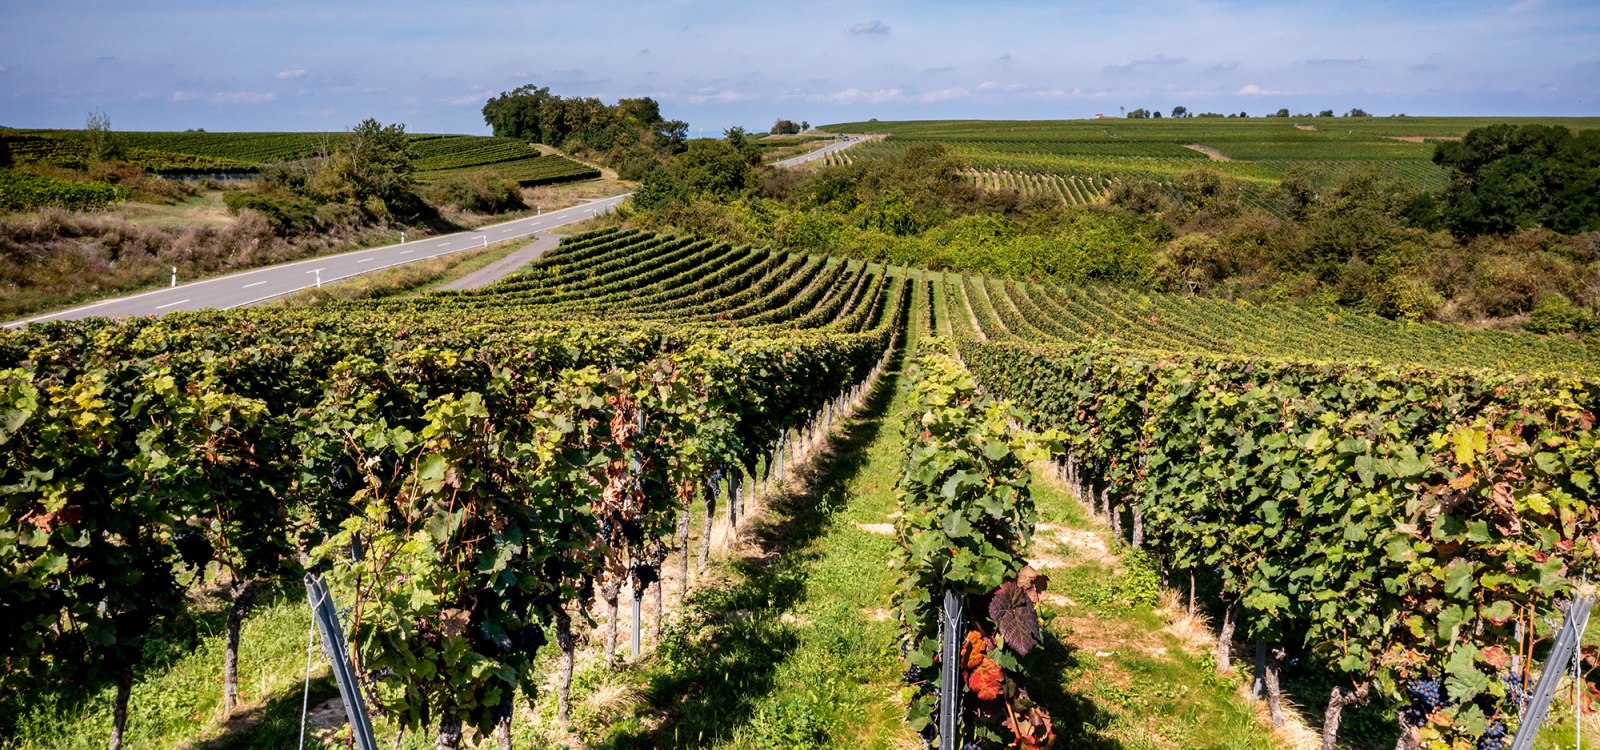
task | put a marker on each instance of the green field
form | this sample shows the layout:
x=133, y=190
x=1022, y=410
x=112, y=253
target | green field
x=437, y=156
x=1258, y=151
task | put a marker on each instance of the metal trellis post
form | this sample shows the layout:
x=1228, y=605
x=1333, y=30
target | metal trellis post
x=333, y=645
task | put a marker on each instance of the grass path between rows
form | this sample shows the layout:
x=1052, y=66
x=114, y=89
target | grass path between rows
x=797, y=648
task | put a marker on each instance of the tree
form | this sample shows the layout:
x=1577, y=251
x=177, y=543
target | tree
x=371, y=168
x=1139, y=114
x=1156, y=114
x=103, y=144
x=739, y=138
x=1180, y=111
x=1325, y=113
x=805, y=125
x=716, y=170
x=515, y=113
x=785, y=127
x=1357, y=112
x=1507, y=177
x=1283, y=112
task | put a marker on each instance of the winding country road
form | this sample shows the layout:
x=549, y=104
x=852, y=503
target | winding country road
x=261, y=284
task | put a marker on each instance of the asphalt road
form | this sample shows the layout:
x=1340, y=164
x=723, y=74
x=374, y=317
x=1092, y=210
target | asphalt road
x=819, y=153
x=261, y=284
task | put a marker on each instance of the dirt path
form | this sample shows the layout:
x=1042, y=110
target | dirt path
x=605, y=172
x=1421, y=138
x=1214, y=154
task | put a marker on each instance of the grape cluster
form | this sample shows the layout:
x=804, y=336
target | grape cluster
x=1495, y=737
x=1516, y=694
x=195, y=549
x=1426, y=697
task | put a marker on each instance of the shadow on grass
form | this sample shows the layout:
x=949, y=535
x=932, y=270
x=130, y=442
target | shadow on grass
x=273, y=725
x=1079, y=722
x=720, y=660
x=85, y=693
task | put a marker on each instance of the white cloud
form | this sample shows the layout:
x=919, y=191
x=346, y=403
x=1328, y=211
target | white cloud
x=1254, y=90
x=998, y=86
x=855, y=95
x=365, y=90
x=870, y=27
x=1326, y=61
x=243, y=97
x=1523, y=6
x=472, y=97
x=1156, y=61
x=942, y=95
x=183, y=96
x=289, y=75
x=717, y=95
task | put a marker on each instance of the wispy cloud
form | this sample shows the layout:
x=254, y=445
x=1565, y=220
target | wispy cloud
x=4, y=69
x=870, y=27
x=244, y=97
x=475, y=98
x=184, y=96
x=1251, y=89
x=926, y=71
x=942, y=95
x=290, y=75
x=719, y=95
x=1154, y=61
x=1335, y=61
x=858, y=96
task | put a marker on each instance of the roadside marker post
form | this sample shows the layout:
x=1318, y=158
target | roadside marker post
x=174, y=275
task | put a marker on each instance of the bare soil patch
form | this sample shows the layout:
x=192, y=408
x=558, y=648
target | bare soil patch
x=1210, y=152
x=1422, y=138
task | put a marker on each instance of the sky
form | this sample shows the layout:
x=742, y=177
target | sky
x=326, y=65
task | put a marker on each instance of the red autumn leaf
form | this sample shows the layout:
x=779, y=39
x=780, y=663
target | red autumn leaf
x=973, y=652
x=986, y=680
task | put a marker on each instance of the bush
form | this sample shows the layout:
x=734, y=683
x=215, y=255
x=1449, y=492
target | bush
x=1554, y=313
x=481, y=192
x=289, y=215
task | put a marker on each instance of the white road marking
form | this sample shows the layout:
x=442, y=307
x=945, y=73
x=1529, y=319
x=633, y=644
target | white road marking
x=247, y=286
x=407, y=252
x=170, y=304
x=366, y=260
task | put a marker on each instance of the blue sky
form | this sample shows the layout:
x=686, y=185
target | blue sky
x=297, y=65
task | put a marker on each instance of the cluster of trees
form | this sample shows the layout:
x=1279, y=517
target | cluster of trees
x=1180, y=112
x=789, y=127
x=366, y=177
x=630, y=136
x=1504, y=178
x=918, y=209
x=1513, y=237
